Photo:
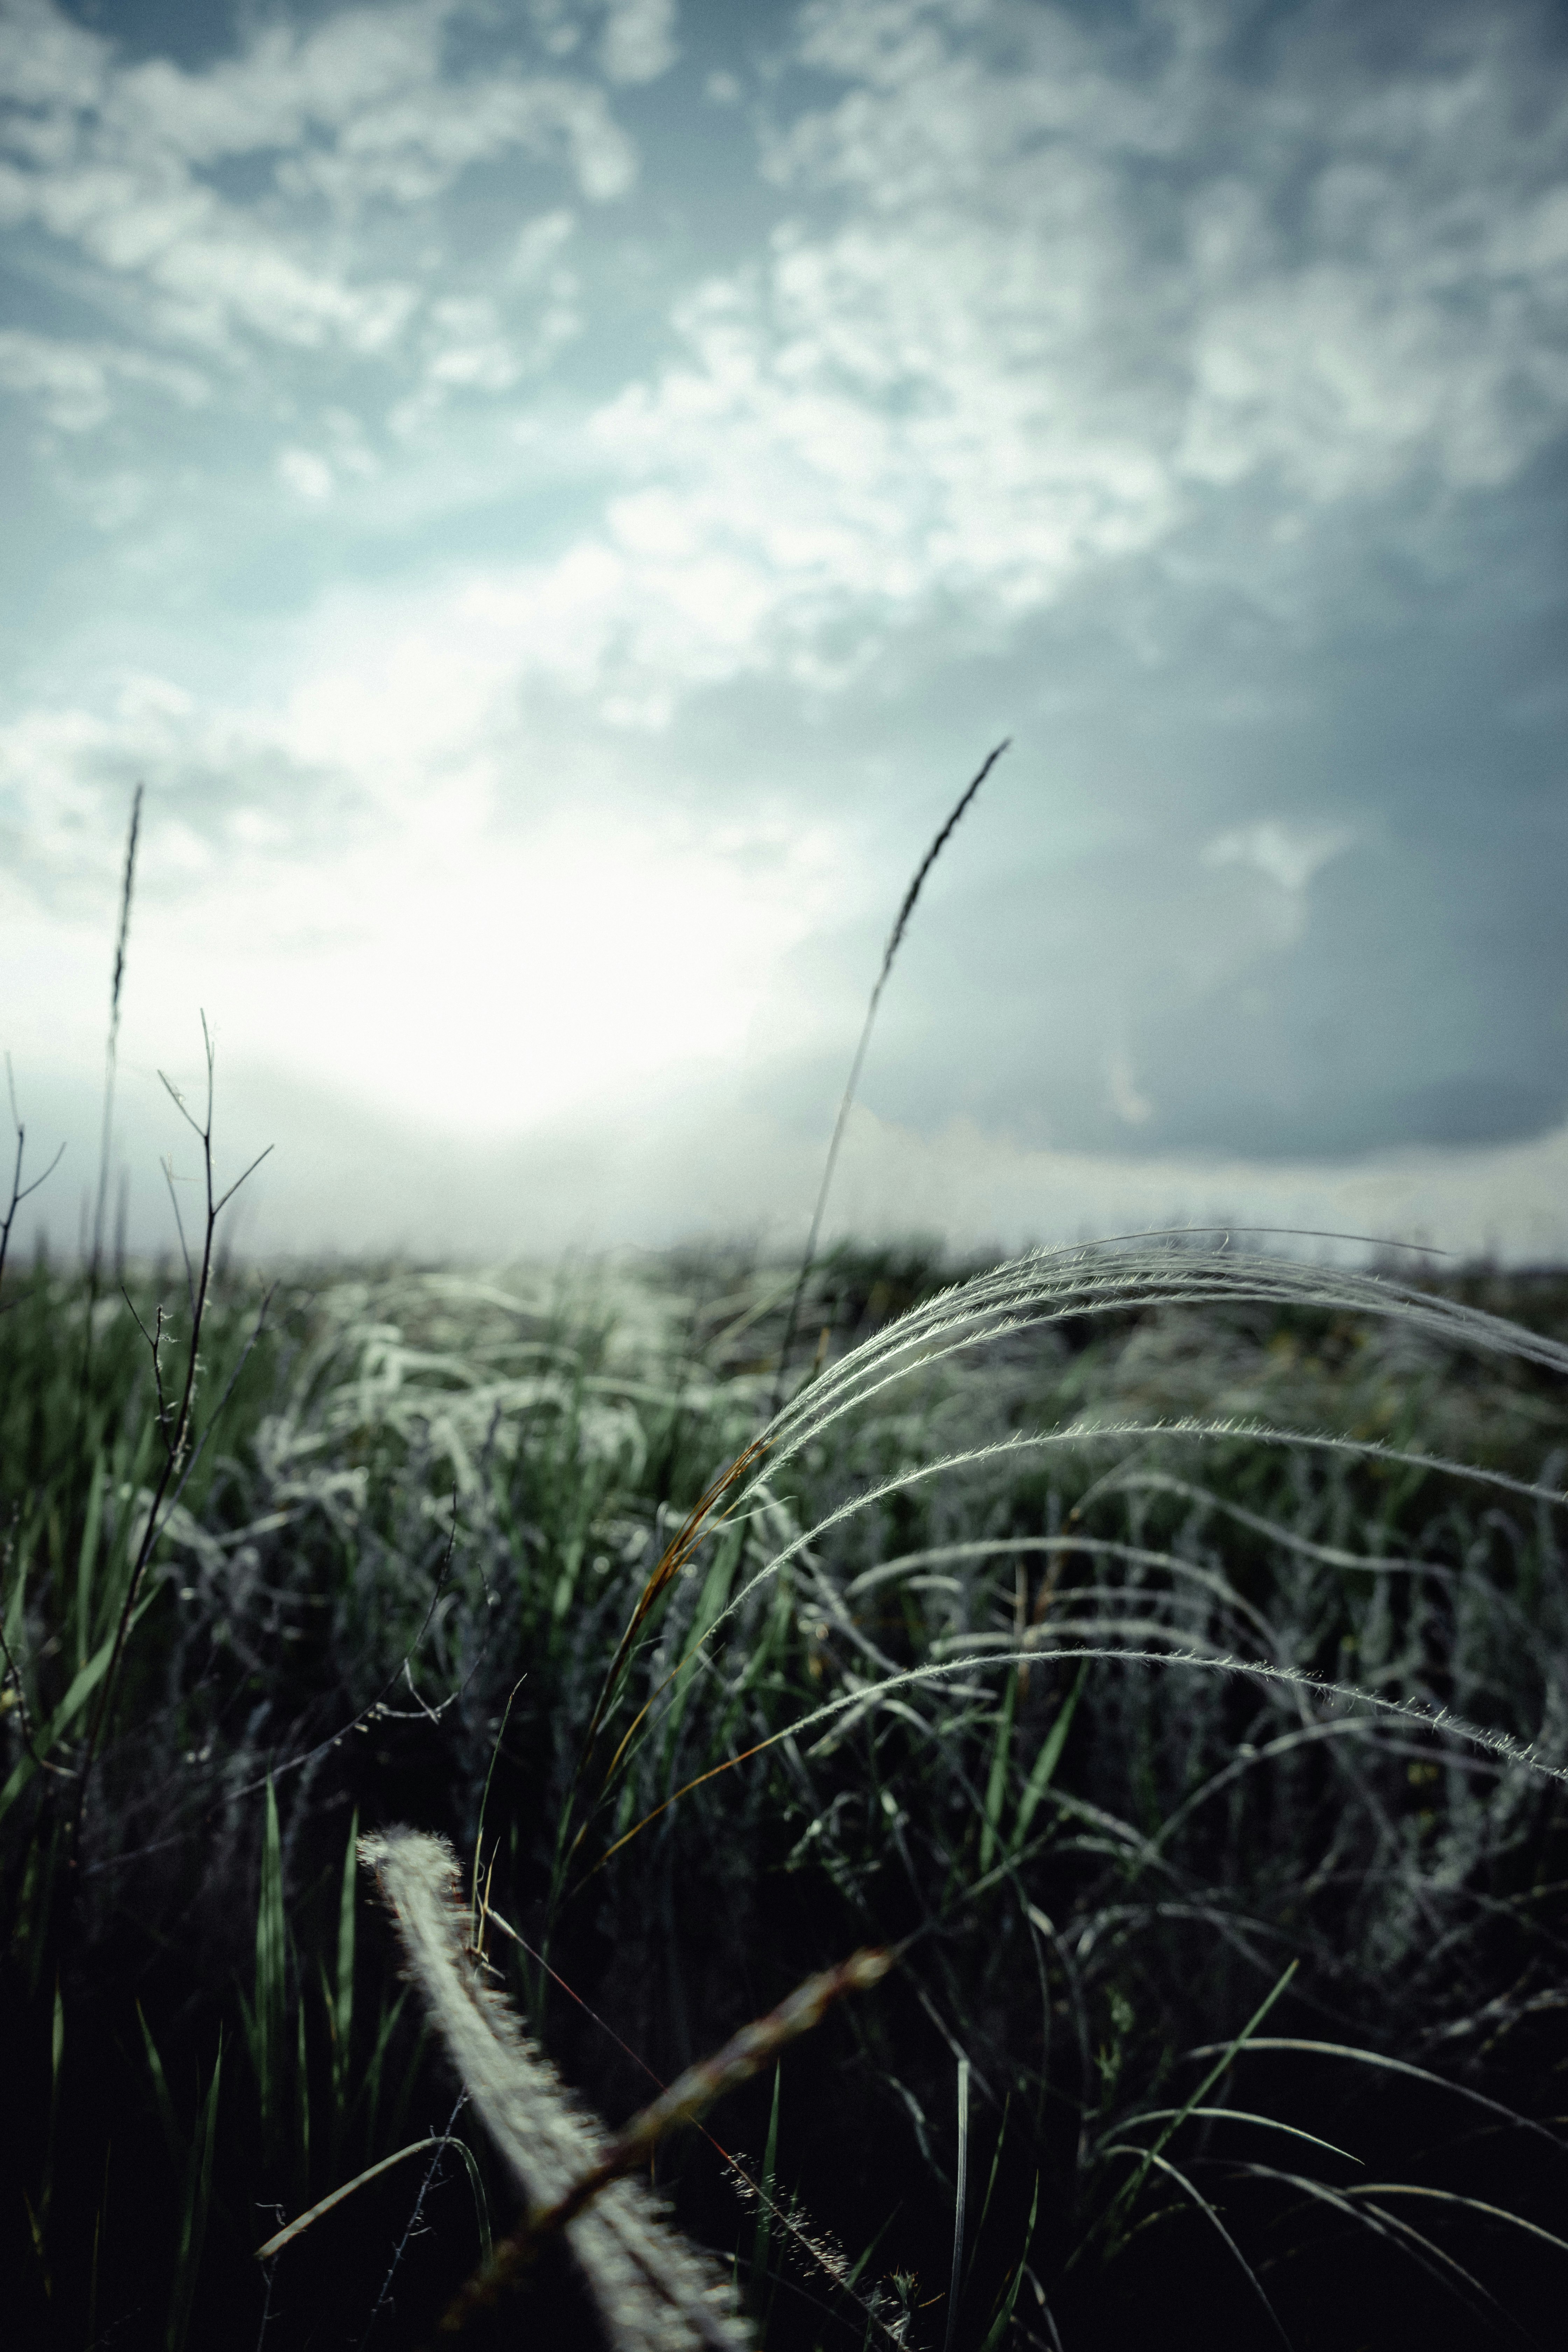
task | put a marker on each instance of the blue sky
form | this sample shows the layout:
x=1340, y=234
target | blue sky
x=555, y=499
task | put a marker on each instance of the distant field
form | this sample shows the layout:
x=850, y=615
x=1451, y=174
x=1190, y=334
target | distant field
x=404, y=1567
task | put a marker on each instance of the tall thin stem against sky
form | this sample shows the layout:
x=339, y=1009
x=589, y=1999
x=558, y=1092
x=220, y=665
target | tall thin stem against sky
x=895, y=939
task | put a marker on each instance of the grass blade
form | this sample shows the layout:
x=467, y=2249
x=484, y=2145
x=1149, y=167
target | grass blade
x=1126, y=2194
x=194, y=2213
x=960, y=2197
x=769, y=2197
x=1002, y=2320
x=270, y=2011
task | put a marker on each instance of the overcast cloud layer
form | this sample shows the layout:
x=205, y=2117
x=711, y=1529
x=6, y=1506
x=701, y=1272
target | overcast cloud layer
x=555, y=499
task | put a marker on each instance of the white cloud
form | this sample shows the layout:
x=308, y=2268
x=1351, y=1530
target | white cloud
x=1006, y=366
x=1036, y=311
x=72, y=382
x=639, y=41
x=1032, y=314
x=1418, y=319
x=67, y=773
x=1288, y=853
x=536, y=256
x=412, y=147
x=48, y=60
x=468, y=346
x=124, y=165
x=1406, y=341
x=329, y=874
x=1132, y=1105
x=305, y=473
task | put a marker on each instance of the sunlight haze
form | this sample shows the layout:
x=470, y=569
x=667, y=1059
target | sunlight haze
x=555, y=498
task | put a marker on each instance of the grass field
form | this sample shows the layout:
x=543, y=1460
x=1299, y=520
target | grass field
x=1162, y=1650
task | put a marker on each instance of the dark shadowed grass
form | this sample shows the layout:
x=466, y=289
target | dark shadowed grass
x=1142, y=1639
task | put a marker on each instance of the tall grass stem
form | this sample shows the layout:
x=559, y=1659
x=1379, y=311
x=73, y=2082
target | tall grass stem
x=960, y=2198
x=895, y=941
x=111, y=1049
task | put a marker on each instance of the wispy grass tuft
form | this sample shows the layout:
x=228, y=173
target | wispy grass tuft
x=650, y=2288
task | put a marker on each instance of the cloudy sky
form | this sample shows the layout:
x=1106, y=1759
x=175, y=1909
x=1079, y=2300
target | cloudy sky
x=555, y=497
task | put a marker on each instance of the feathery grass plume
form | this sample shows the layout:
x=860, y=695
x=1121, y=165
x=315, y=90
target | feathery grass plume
x=895, y=941
x=654, y=2293
x=1048, y=1286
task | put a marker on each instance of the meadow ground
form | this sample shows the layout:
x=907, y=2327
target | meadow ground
x=1163, y=1651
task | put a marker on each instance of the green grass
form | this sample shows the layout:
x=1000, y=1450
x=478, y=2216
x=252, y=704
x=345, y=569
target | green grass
x=1014, y=1650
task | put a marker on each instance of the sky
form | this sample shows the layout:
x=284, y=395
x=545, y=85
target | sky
x=555, y=498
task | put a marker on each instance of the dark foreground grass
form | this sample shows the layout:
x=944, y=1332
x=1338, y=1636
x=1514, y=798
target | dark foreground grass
x=1166, y=1652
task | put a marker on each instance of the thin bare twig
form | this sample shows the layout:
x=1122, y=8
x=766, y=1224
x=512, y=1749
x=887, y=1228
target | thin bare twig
x=19, y=1191
x=24, y=1714
x=176, y=1439
x=374, y=1710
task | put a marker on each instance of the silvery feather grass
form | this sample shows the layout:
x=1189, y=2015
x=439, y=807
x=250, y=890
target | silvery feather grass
x=654, y=2293
x=1048, y=1287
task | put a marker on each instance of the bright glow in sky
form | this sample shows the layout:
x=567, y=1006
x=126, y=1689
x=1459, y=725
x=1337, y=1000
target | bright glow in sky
x=556, y=496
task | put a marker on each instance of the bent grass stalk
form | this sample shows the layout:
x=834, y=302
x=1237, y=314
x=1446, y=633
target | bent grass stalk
x=651, y=2288
x=814, y=2248
x=1045, y=1287
x=649, y=2285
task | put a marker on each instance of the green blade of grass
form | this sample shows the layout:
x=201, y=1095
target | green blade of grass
x=1128, y=2193
x=960, y=2198
x=87, y=1559
x=161, y=2099
x=1197, y=2198
x=82, y=1687
x=1049, y=1757
x=270, y=2007
x=340, y=2196
x=193, y=2213
x=1002, y=2320
x=996, y=1781
x=339, y=2000
x=760, y=2242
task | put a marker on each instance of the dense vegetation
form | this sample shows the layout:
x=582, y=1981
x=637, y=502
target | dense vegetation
x=401, y=1560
